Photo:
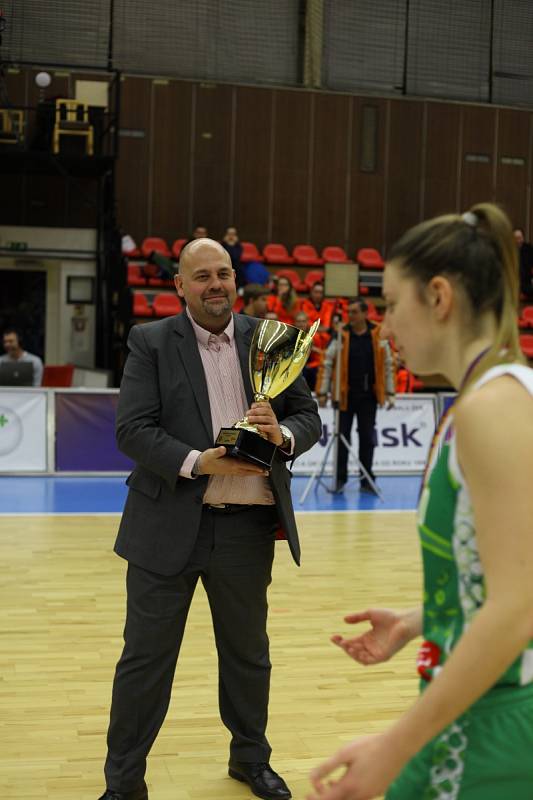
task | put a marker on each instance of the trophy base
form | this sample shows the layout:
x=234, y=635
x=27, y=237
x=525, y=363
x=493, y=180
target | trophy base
x=248, y=445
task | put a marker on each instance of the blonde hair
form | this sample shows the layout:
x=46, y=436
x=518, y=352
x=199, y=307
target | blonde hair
x=476, y=249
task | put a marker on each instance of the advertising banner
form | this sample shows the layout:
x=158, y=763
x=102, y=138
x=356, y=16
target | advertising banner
x=85, y=433
x=22, y=431
x=403, y=437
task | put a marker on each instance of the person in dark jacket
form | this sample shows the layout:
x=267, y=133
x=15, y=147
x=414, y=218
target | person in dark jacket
x=231, y=243
x=193, y=513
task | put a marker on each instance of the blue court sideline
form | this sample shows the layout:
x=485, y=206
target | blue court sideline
x=106, y=495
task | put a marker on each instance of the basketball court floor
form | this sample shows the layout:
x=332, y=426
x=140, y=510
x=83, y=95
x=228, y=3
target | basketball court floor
x=62, y=596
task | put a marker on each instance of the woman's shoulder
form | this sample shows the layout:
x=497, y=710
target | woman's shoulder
x=504, y=394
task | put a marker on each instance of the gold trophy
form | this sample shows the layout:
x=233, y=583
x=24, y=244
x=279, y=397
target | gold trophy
x=278, y=353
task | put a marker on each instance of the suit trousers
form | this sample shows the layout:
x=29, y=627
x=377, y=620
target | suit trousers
x=233, y=557
x=364, y=407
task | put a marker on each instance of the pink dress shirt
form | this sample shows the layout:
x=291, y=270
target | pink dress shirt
x=228, y=403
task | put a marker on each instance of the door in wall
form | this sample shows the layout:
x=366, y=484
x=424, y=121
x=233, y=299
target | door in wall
x=23, y=306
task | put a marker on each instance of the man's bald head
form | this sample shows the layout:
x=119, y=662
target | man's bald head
x=198, y=249
x=206, y=281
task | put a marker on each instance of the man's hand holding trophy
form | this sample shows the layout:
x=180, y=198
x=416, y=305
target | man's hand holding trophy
x=278, y=353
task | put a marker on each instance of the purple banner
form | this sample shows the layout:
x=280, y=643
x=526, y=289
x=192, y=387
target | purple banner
x=85, y=433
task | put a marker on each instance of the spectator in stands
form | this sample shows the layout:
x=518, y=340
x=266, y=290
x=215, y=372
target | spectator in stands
x=256, y=272
x=12, y=342
x=285, y=303
x=316, y=307
x=366, y=381
x=255, y=300
x=271, y=315
x=525, y=258
x=320, y=342
x=231, y=243
x=199, y=232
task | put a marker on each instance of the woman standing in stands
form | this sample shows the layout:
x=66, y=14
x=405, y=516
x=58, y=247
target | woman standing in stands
x=451, y=290
x=285, y=304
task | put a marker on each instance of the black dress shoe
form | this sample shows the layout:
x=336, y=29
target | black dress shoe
x=136, y=794
x=261, y=779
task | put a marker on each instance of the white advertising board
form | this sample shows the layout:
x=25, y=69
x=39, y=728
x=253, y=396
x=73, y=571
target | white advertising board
x=403, y=438
x=22, y=431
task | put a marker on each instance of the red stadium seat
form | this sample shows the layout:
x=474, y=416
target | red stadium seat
x=238, y=304
x=526, y=320
x=154, y=244
x=141, y=306
x=313, y=276
x=166, y=305
x=306, y=255
x=277, y=254
x=368, y=258
x=526, y=343
x=294, y=278
x=373, y=313
x=334, y=254
x=177, y=247
x=60, y=375
x=135, y=276
x=250, y=252
x=152, y=273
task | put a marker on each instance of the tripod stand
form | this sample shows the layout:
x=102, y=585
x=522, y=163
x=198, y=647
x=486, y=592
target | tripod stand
x=337, y=439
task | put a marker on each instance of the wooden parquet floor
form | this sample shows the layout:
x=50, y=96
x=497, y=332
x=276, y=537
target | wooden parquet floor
x=62, y=600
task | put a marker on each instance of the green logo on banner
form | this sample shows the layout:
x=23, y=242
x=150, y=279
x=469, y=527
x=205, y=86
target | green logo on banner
x=10, y=430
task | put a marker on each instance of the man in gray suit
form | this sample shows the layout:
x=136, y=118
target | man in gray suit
x=192, y=512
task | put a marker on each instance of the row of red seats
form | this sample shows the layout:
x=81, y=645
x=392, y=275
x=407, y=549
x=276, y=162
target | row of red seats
x=275, y=254
x=140, y=275
x=165, y=304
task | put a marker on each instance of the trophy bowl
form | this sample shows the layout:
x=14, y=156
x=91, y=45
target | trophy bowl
x=278, y=353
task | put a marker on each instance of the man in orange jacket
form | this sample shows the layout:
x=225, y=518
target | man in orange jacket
x=366, y=381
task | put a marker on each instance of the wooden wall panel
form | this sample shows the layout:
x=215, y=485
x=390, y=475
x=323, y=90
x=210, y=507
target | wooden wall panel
x=284, y=165
x=170, y=163
x=133, y=161
x=16, y=86
x=443, y=124
x=212, y=157
x=512, y=178
x=404, y=168
x=44, y=194
x=12, y=200
x=45, y=200
x=252, y=171
x=292, y=125
x=12, y=209
x=477, y=178
x=82, y=202
x=365, y=211
x=329, y=169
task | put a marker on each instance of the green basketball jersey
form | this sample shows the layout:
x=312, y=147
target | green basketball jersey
x=454, y=583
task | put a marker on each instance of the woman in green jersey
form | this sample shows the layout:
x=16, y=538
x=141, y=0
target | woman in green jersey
x=451, y=289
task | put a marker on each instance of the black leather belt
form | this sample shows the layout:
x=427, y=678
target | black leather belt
x=228, y=508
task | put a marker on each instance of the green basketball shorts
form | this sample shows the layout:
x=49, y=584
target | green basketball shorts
x=487, y=754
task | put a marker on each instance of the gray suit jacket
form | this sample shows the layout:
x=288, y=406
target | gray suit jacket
x=163, y=413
